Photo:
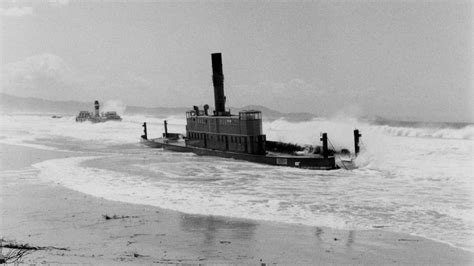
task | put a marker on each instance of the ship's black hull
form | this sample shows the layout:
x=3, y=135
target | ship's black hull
x=288, y=160
x=97, y=119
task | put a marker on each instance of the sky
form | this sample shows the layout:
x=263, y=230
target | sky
x=410, y=60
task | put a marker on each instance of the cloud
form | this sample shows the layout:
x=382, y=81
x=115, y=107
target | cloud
x=48, y=76
x=290, y=96
x=59, y=2
x=16, y=11
x=45, y=76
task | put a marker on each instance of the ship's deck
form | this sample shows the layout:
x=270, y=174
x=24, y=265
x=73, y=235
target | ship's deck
x=180, y=144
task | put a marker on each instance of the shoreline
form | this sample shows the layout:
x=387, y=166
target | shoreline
x=45, y=214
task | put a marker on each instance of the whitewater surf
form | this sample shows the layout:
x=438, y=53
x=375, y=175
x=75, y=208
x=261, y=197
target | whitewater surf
x=416, y=180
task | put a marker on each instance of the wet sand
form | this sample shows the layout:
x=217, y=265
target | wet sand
x=46, y=214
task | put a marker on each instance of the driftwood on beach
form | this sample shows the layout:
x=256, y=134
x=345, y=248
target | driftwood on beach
x=14, y=251
x=113, y=217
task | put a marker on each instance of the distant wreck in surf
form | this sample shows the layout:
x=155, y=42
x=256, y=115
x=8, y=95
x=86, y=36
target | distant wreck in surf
x=240, y=136
x=96, y=116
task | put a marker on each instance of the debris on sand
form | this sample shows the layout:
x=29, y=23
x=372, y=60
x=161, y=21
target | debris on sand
x=114, y=217
x=16, y=251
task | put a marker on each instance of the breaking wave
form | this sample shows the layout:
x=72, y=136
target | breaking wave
x=466, y=132
x=411, y=178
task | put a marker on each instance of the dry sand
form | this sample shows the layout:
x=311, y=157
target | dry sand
x=46, y=214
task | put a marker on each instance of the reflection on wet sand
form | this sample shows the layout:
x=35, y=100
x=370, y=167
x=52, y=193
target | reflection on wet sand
x=217, y=228
x=318, y=233
x=349, y=240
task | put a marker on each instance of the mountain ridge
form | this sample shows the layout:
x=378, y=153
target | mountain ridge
x=10, y=103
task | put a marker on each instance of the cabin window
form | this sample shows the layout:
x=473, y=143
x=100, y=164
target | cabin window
x=190, y=114
x=250, y=115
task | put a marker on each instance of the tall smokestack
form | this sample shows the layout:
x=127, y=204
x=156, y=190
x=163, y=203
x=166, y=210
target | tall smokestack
x=96, y=107
x=218, y=80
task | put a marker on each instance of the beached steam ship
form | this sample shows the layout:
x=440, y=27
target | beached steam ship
x=237, y=136
x=96, y=116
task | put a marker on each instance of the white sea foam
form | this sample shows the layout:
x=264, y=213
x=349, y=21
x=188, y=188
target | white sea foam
x=167, y=191
x=415, y=180
x=466, y=132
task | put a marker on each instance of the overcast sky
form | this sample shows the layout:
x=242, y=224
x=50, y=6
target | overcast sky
x=396, y=59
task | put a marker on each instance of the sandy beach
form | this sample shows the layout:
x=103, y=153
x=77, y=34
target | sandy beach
x=83, y=229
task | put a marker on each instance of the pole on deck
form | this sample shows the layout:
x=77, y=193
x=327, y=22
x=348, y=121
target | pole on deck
x=324, y=139
x=166, y=129
x=357, y=135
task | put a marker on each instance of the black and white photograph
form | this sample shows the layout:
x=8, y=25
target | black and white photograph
x=247, y=132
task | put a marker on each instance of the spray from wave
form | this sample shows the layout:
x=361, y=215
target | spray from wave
x=411, y=178
x=466, y=132
x=114, y=105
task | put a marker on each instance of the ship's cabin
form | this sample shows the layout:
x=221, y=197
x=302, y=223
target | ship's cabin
x=112, y=115
x=236, y=133
x=84, y=114
x=250, y=115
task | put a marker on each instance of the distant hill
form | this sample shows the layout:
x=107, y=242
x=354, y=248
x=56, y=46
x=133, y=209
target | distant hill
x=10, y=104
x=270, y=114
x=157, y=111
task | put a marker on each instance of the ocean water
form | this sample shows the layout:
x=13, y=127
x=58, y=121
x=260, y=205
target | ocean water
x=411, y=178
